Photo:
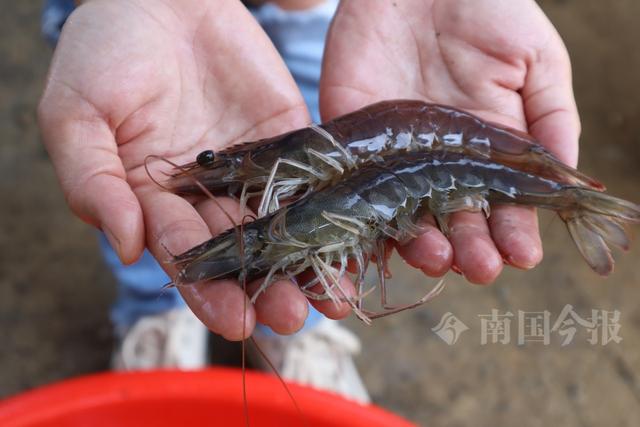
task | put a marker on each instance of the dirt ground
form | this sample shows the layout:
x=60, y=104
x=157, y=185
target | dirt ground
x=55, y=291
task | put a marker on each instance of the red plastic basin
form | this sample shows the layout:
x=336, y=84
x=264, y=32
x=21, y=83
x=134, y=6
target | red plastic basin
x=172, y=398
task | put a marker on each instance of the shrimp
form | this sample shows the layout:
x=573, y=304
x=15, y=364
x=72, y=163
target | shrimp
x=351, y=220
x=309, y=159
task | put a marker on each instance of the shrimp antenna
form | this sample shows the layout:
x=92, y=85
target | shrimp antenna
x=167, y=249
x=547, y=227
x=206, y=191
x=243, y=351
x=255, y=343
x=304, y=420
x=146, y=168
x=195, y=180
x=186, y=171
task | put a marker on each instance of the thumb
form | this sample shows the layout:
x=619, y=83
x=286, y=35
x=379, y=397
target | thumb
x=85, y=156
x=549, y=104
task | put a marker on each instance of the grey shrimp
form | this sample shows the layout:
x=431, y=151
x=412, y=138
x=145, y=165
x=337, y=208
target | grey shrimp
x=351, y=220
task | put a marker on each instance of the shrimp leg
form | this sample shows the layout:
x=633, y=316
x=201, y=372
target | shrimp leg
x=269, y=201
x=267, y=196
x=323, y=270
x=388, y=308
x=444, y=205
x=428, y=297
x=468, y=203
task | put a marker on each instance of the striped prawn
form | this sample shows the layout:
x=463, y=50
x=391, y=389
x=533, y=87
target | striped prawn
x=288, y=166
x=347, y=223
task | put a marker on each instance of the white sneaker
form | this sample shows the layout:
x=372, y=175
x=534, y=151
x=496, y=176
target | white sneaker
x=320, y=357
x=174, y=339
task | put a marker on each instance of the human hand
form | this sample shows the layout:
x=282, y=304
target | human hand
x=133, y=78
x=501, y=60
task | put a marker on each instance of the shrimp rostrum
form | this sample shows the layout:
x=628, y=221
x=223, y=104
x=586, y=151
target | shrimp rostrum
x=348, y=223
x=291, y=165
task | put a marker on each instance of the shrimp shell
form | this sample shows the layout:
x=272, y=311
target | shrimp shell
x=308, y=159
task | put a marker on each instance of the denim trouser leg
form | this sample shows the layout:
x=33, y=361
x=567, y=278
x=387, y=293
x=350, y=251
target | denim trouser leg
x=140, y=290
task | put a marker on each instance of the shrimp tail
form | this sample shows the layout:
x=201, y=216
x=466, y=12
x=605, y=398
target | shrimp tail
x=595, y=221
x=598, y=222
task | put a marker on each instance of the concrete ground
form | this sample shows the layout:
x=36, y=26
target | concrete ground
x=55, y=291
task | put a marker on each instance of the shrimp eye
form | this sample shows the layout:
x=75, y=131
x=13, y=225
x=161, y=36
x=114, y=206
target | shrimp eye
x=206, y=158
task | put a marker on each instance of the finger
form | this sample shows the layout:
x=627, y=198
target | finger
x=174, y=224
x=549, y=104
x=516, y=235
x=221, y=306
x=475, y=254
x=431, y=252
x=282, y=307
x=85, y=156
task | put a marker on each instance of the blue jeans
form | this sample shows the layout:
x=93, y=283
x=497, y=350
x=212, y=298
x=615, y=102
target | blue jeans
x=299, y=37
